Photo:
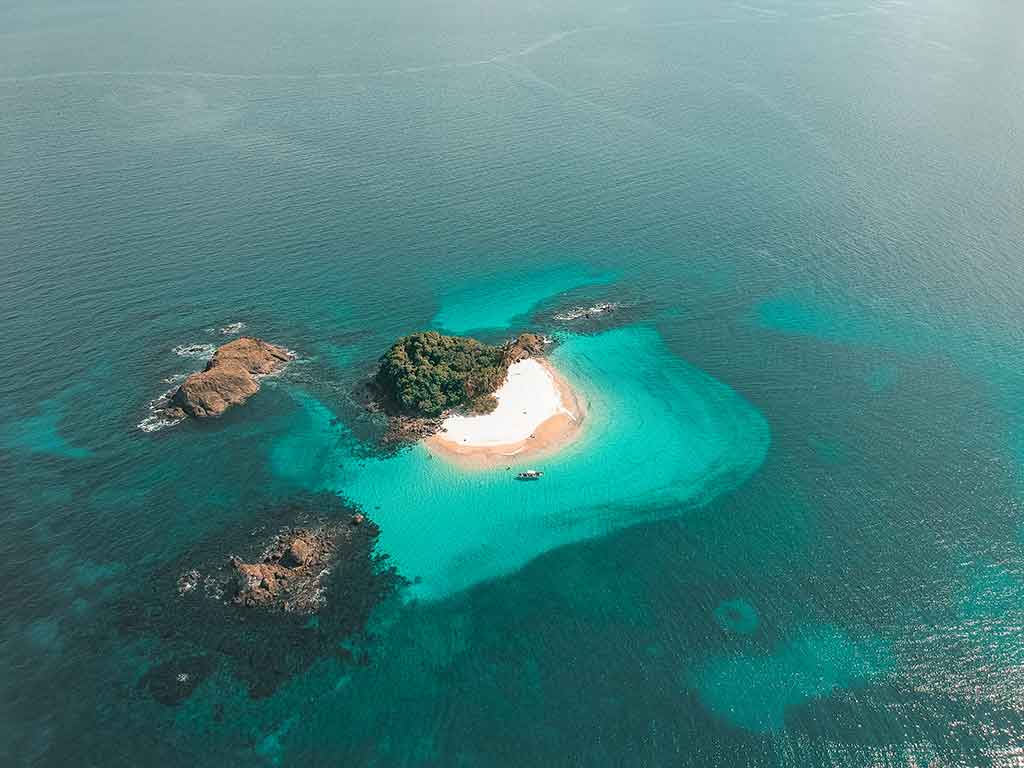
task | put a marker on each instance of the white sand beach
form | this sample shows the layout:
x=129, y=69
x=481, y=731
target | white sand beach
x=536, y=411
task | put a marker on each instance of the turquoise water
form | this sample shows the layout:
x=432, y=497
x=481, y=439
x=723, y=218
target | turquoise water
x=452, y=528
x=792, y=532
x=500, y=300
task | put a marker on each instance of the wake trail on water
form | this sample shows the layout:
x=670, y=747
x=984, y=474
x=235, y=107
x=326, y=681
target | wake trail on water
x=544, y=42
x=547, y=41
x=751, y=13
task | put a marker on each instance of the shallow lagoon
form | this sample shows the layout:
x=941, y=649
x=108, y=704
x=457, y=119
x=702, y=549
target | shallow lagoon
x=660, y=435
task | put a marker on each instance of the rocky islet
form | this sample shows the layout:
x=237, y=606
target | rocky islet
x=230, y=378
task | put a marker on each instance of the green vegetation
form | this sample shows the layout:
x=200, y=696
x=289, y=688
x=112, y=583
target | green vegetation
x=428, y=373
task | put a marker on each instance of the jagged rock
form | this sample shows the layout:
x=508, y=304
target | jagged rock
x=230, y=377
x=254, y=355
x=408, y=429
x=523, y=346
x=299, y=551
x=259, y=582
x=291, y=571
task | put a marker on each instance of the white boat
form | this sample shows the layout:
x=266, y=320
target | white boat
x=530, y=474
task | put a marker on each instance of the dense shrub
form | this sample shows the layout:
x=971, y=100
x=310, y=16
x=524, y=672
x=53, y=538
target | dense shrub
x=428, y=373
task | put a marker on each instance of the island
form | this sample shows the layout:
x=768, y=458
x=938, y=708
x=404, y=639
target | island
x=476, y=403
x=230, y=378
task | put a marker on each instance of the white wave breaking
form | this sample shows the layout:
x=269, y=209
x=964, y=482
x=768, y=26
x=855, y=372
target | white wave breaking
x=197, y=351
x=158, y=418
x=577, y=312
x=232, y=329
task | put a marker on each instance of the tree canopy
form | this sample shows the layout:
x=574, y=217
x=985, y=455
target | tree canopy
x=428, y=373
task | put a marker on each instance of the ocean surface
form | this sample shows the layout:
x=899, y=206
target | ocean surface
x=792, y=533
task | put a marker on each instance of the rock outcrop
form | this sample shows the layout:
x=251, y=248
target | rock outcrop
x=230, y=378
x=523, y=346
x=289, y=576
x=403, y=430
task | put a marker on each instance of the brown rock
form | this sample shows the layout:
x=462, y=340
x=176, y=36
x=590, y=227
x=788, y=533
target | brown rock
x=290, y=575
x=298, y=553
x=260, y=583
x=229, y=378
x=523, y=346
x=254, y=355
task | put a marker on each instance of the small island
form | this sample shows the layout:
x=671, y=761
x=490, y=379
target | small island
x=476, y=403
x=230, y=378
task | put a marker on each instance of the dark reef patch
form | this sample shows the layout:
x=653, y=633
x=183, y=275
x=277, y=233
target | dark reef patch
x=172, y=681
x=593, y=316
x=192, y=604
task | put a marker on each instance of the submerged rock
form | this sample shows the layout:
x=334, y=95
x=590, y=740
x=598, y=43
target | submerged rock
x=289, y=576
x=171, y=682
x=575, y=313
x=262, y=616
x=188, y=581
x=230, y=378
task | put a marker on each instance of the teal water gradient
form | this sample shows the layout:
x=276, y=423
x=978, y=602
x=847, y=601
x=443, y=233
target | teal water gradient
x=497, y=301
x=754, y=691
x=793, y=532
x=658, y=435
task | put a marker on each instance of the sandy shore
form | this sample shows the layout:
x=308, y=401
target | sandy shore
x=537, y=413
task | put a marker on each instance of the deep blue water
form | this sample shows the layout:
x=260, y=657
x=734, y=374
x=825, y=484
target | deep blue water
x=792, y=534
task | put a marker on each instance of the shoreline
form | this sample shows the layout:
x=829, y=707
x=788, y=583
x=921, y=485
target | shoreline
x=546, y=438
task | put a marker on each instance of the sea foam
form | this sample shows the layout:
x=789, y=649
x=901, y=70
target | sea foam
x=157, y=417
x=577, y=312
x=198, y=351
